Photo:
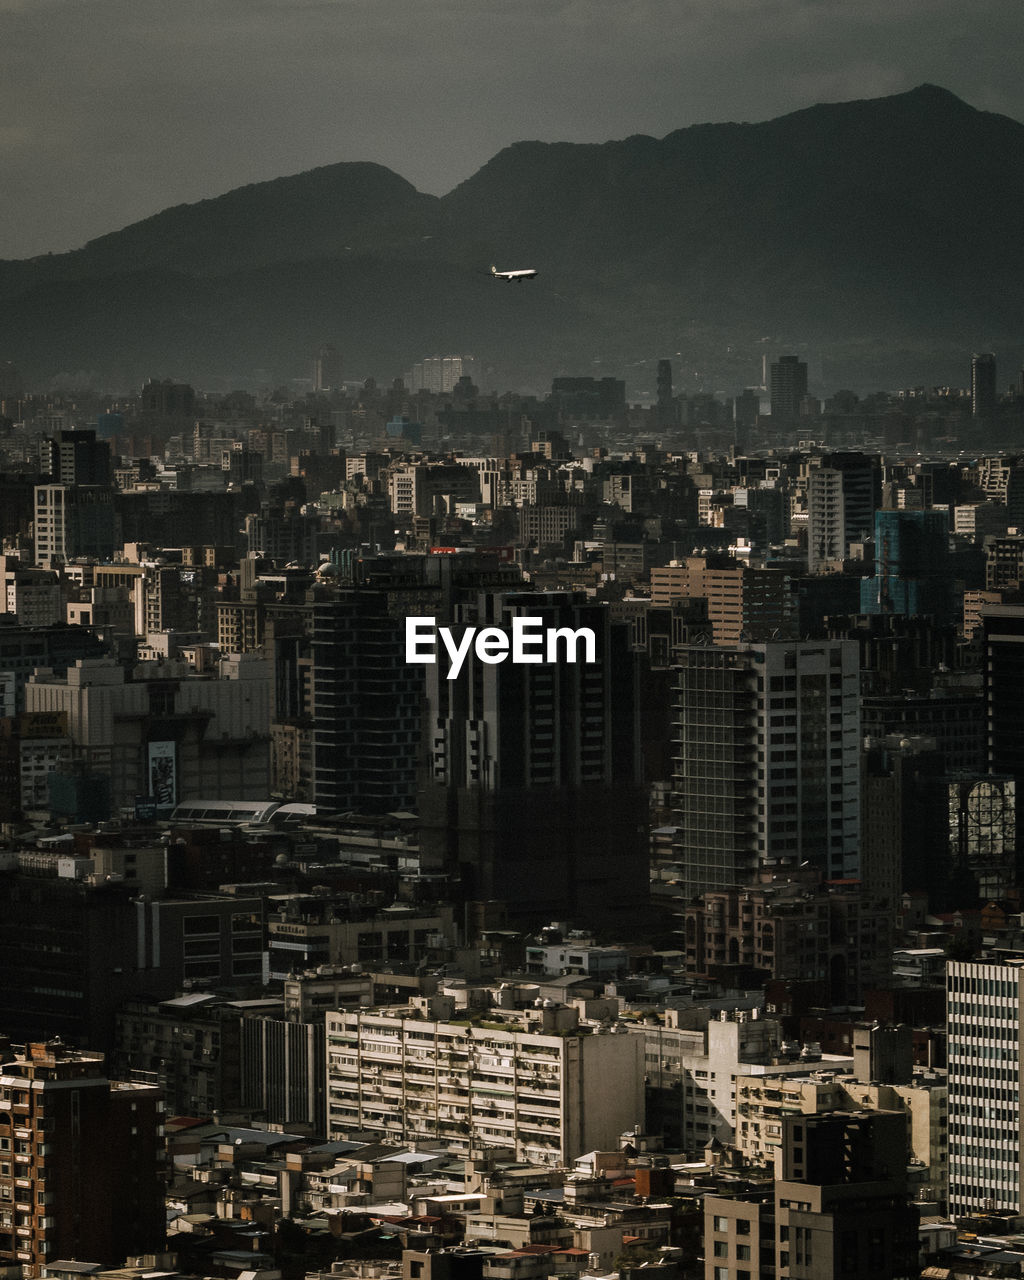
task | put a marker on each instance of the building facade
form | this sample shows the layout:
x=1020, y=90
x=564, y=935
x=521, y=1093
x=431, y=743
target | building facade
x=551, y=1093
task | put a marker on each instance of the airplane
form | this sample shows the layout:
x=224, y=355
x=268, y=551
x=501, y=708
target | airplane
x=518, y=276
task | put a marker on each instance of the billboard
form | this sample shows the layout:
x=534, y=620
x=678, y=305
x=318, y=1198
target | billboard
x=163, y=776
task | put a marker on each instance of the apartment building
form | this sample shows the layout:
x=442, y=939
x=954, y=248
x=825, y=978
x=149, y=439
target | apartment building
x=533, y=1080
x=79, y=1160
x=767, y=767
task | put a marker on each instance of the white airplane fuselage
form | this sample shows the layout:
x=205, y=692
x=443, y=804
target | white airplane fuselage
x=527, y=273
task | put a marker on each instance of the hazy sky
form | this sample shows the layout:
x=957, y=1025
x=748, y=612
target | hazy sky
x=111, y=110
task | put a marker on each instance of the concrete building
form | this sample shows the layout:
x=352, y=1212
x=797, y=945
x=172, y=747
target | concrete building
x=743, y=603
x=306, y=932
x=166, y=733
x=72, y=949
x=535, y=1081
x=791, y=924
x=985, y=1038
x=762, y=1101
x=32, y=596
x=841, y=1209
x=188, y=1046
x=79, y=1160
x=842, y=492
x=530, y=788
x=788, y=387
x=767, y=770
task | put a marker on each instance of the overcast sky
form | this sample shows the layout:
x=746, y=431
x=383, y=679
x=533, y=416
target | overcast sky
x=111, y=110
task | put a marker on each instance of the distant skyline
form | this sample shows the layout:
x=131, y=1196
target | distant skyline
x=116, y=109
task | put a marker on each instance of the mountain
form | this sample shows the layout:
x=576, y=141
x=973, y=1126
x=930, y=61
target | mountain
x=882, y=235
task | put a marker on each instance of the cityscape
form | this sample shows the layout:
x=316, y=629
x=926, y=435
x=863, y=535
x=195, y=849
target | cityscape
x=511, y=641
x=690, y=941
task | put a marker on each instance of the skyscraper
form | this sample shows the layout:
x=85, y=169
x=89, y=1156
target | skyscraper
x=327, y=369
x=787, y=389
x=984, y=1025
x=912, y=574
x=767, y=770
x=530, y=790
x=366, y=705
x=843, y=491
x=666, y=408
x=983, y=383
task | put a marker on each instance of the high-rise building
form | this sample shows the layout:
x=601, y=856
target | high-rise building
x=79, y=1160
x=912, y=574
x=767, y=770
x=843, y=491
x=76, y=457
x=788, y=387
x=744, y=602
x=327, y=369
x=667, y=414
x=1003, y=648
x=983, y=383
x=366, y=705
x=73, y=520
x=531, y=788
x=984, y=1027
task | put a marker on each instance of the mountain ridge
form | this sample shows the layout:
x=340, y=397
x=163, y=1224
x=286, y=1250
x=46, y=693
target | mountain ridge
x=881, y=220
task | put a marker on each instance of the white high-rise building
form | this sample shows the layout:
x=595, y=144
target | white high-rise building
x=983, y=1012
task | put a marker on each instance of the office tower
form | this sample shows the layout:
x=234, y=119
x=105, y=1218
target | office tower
x=983, y=383
x=912, y=566
x=76, y=457
x=787, y=389
x=167, y=399
x=327, y=369
x=666, y=407
x=982, y=827
x=843, y=491
x=439, y=374
x=767, y=771
x=587, y=397
x=366, y=705
x=533, y=1080
x=282, y=1071
x=531, y=789
x=71, y=521
x=79, y=1160
x=904, y=827
x=984, y=1028
x=72, y=950
x=1003, y=648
